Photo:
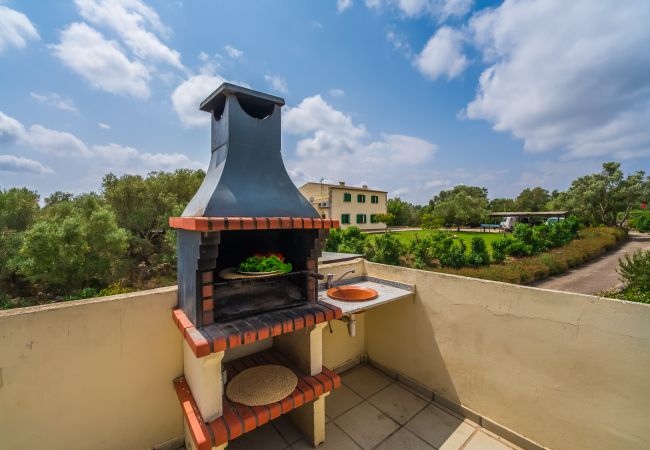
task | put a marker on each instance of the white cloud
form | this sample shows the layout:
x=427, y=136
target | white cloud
x=441, y=9
x=332, y=146
x=136, y=23
x=233, y=52
x=342, y=5
x=39, y=138
x=15, y=29
x=55, y=100
x=278, y=83
x=103, y=126
x=101, y=62
x=399, y=43
x=18, y=164
x=59, y=143
x=188, y=95
x=567, y=75
x=125, y=157
x=442, y=55
x=336, y=92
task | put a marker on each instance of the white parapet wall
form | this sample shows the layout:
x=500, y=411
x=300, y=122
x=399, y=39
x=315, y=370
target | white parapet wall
x=565, y=370
x=92, y=374
x=568, y=371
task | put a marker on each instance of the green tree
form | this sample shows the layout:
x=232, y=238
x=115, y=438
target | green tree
x=143, y=206
x=501, y=205
x=607, y=197
x=76, y=244
x=535, y=199
x=402, y=213
x=471, y=191
x=18, y=208
x=460, y=209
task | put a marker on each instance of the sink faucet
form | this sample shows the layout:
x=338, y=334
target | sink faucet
x=330, y=278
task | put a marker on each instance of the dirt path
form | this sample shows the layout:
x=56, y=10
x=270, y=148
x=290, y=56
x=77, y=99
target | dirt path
x=596, y=276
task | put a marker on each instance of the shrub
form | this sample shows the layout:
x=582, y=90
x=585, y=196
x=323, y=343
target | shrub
x=635, y=270
x=641, y=221
x=500, y=249
x=455, y=256
x=631, y=295
x=386, y=249
x=478, y=255
x=349, y=240
x=431, y=247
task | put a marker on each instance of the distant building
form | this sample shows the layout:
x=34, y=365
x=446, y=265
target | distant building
x=352, y=206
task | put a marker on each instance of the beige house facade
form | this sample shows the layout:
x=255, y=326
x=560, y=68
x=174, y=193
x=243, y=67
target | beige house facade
x=351, y=205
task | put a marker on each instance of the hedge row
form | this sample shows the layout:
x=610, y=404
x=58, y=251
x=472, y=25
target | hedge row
x=591, y=242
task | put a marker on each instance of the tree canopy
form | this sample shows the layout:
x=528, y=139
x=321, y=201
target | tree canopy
x=607, y=197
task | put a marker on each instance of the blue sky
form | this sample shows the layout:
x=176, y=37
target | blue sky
x=410, y=96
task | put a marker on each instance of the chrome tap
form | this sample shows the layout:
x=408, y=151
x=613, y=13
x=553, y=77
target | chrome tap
x=330, y=278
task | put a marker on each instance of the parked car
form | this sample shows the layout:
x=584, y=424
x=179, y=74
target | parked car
x=554, y=220
x=508, y=223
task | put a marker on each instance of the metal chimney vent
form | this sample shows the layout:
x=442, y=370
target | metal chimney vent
x=246, y=176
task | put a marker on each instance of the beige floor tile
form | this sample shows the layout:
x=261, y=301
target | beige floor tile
x=365, y=381
x=440, y=429
x=398, y=403
x=341, y=400
x=366, y=425
x=482, y=441
x=335, y=439
x=265, y=437
x=403, y=439
x=287, y=429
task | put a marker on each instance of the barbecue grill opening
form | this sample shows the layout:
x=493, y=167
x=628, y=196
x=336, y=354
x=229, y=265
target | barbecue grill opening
x=255, y=107
x=219, y=106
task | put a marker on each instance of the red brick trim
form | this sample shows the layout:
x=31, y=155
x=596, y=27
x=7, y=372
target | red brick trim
x=198, y=343
x=238, y=419
x=249, y=223
x=197, y=427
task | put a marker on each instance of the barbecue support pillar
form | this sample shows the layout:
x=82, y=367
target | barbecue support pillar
x=310, y=419
x=189, y=442
x=203, y=376
x=304, y=347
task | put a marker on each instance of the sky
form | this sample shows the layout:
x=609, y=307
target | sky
x=407, y=96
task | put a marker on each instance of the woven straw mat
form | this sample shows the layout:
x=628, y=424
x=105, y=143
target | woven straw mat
x=261, y=385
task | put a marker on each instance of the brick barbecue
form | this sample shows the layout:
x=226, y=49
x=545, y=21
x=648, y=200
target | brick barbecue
x=246, y=205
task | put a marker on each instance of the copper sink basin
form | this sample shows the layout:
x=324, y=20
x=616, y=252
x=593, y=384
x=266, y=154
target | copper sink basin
x=352, y=293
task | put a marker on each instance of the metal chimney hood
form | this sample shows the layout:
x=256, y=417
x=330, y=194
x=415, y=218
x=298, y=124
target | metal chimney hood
x=246, y=176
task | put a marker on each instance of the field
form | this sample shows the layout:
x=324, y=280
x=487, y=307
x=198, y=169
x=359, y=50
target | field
x=406, y=237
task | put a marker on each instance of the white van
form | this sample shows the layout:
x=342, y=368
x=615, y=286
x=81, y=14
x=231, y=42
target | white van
x=508, y=223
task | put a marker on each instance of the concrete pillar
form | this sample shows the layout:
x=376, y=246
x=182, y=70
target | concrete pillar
x=204, y=377
x=310, y=419
x=304, y=347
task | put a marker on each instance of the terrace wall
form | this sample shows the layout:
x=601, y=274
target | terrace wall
x=569, y=371
x=565, y=370
x=91, y=374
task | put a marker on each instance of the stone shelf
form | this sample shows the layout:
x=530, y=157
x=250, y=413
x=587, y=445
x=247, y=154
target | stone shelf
x=223, y=336
x=238, y=419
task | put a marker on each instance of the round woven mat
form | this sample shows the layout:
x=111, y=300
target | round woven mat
x=261, y=385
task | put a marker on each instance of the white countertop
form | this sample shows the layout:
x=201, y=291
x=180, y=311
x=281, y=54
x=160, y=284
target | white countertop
x=387, y=293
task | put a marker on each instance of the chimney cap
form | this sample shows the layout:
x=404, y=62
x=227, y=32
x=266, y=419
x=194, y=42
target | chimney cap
x=232, y=89
x=342, y=183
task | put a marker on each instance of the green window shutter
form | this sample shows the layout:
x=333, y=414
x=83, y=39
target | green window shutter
x=347, y=197
x=373, y=218
x=361, y=218
x=345, y=218
x=361, y=198
x=374, y=199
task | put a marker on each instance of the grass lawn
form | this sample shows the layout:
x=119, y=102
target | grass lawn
x=406, y=237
